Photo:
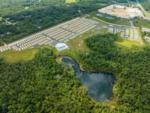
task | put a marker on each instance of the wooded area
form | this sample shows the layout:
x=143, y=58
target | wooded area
x=131, y=66
x=43, y=86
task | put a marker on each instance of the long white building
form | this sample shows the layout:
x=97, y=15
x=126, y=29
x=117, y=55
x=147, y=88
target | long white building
x=57, y=34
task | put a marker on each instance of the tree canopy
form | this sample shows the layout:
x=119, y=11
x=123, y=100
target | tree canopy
x=46, y=86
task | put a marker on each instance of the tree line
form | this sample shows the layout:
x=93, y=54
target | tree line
x=45, y=86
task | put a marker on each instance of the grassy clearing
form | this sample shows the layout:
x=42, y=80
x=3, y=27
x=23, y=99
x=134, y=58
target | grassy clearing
x=18, y=56
x=77, y=46
x=70, y=1
x=129, y=43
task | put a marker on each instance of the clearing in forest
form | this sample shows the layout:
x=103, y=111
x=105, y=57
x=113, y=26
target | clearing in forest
x=70, y=1
x=122, y=11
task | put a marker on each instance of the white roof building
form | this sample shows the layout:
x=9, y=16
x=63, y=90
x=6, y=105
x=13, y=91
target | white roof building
x=61, y=46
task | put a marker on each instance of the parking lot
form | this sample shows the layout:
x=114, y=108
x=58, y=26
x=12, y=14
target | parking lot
x=51, y=36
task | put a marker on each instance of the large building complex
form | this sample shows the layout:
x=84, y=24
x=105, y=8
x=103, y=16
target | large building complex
x=52, y=36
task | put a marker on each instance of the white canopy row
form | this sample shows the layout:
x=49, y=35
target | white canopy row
x=60, y=33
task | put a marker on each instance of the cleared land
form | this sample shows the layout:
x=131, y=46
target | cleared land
x=17, y=56
x=70, y=1
x=60, y=33
x=122, y=11
x=129, y=43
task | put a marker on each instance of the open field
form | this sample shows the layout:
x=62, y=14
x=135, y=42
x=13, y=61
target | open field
x=129, y=43
x=15, y=56
x=77, y=45
x=70, y=1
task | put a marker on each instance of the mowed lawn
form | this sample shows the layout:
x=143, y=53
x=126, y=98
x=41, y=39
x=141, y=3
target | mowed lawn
x=129, y=43
x=78, y=44
x=18, y=56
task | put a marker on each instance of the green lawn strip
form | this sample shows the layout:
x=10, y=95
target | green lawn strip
x=129, y=43
x=18, y=56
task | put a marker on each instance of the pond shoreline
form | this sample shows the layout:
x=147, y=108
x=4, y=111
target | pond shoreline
x=84, y=69
x=98, y=84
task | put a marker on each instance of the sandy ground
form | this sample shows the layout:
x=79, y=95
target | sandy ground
x=122, y=11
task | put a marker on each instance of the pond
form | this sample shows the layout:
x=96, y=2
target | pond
x=99, y=85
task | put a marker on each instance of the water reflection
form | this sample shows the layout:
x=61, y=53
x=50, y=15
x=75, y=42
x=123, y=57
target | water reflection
x=99, y=85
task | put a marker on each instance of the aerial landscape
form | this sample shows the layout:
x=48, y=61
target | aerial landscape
x=74, y=56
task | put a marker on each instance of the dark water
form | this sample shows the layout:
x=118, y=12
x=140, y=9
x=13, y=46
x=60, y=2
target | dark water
x=99, y=85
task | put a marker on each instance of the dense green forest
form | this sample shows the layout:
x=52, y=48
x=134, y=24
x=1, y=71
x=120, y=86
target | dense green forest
x=41, y=86
x=130, y=66
x=45, y=86
x=7, y=3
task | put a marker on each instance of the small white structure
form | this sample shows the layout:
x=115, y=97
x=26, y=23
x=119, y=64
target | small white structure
x=61, y=46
